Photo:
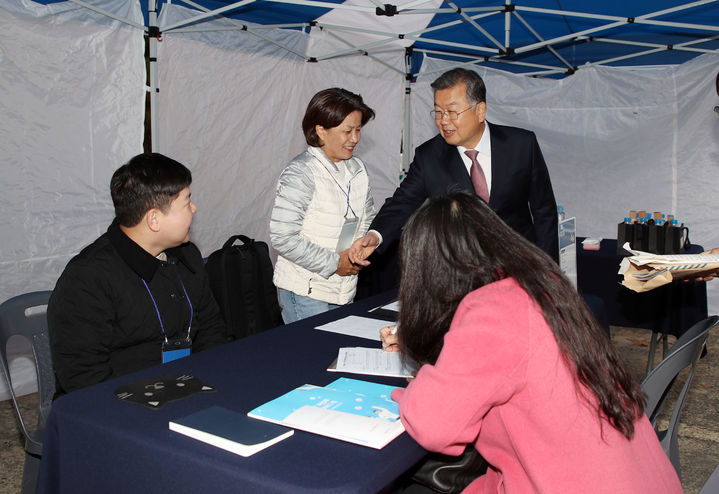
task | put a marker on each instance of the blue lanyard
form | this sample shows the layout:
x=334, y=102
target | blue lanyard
x=162, y=326
x=347, y=194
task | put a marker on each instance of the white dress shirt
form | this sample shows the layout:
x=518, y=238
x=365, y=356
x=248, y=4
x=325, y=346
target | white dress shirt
x=484, y=157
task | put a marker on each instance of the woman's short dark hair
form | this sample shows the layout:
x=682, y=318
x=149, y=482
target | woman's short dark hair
x=476, y=90
x=456, y=244
x=329, y=108
x=149, y=180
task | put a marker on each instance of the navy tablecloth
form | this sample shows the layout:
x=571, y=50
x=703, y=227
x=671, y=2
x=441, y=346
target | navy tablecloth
x=669, y=309
x=96, y=443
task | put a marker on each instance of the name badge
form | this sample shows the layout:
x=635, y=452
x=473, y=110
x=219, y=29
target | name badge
x=347, y=234
x=175, y=348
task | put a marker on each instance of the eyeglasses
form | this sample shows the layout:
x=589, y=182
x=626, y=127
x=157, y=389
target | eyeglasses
x=453, y=115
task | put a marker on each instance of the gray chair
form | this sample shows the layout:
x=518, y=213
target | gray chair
x=712, y=484
x=685, y=353
x=25, y=315
x=656, y=336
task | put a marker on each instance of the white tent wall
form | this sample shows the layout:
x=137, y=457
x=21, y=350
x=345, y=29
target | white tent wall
x=614, y=139
x=72, y=100
x=231, y=108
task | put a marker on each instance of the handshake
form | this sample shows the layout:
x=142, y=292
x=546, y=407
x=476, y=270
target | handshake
x=355, y=258
x=361, y=248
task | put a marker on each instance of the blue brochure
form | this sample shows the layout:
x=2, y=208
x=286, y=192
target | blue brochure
x=348, y=409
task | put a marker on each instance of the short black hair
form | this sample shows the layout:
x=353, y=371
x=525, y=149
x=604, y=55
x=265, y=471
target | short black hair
x=476, y=90
x=149, y=180
x=329, y=108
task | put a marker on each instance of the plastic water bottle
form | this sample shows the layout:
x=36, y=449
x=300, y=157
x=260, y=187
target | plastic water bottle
x=561, y=216
x=625, y=233
x=639, y=235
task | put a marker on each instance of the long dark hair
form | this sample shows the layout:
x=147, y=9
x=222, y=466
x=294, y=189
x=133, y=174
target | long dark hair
x=457, y=244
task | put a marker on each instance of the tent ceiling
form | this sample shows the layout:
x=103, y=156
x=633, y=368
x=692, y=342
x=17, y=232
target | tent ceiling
x=535, y=37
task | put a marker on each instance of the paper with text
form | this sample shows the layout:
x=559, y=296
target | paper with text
x=373, y=362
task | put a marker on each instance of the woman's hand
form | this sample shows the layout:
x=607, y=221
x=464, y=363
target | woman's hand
x=345, y=267
x=390, y=341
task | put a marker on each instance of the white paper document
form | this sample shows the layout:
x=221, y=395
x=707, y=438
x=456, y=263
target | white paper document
x=388, y=310
x=362, y=327
x=392, y=306
x=344, y=426
x=372, y=362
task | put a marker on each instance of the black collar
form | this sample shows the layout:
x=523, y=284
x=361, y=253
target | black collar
x=139, y=260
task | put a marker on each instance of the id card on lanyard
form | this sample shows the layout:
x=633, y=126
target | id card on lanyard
x=349, y=227
x=347, y=234
x=173, y=348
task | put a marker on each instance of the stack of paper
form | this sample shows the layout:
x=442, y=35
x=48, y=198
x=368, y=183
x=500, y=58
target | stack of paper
x=355, y=411
x=644, y=271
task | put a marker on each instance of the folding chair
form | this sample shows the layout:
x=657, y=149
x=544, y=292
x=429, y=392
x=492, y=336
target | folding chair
x=25, y=315
x=712, y=484
x=657, y=384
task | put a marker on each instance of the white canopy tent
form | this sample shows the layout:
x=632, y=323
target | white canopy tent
x=230, y=103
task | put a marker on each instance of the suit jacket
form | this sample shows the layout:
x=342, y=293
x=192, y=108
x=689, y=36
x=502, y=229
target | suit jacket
x=521, y=191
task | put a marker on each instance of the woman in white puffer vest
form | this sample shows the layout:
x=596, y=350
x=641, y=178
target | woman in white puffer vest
x=323, y=202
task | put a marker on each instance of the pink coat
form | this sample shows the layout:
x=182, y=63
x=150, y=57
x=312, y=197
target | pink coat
x=501, y=383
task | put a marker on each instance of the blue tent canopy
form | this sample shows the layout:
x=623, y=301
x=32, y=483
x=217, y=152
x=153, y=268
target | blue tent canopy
x=536, y=37
x=579, y=32
x=550, y=38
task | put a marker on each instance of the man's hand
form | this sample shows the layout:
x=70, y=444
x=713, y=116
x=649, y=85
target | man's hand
x=710, y=277
x=361, y=249
x=345, y=267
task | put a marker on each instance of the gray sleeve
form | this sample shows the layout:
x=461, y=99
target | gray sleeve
x=294, y=192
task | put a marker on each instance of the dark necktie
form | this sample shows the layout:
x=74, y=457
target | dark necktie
x=477, y=176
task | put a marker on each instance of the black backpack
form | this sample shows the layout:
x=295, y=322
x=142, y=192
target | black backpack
x=241, y=281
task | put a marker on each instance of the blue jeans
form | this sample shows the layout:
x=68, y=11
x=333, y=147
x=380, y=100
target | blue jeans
x=296, y=307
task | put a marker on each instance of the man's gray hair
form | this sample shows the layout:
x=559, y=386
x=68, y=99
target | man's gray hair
x=476, y=90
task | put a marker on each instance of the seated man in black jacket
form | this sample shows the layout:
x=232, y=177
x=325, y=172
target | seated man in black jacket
x=138, y=290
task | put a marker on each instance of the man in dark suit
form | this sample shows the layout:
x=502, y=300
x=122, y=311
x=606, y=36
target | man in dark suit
x=503, y=165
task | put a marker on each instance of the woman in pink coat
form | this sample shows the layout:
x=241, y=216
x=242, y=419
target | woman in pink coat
x=515, y=364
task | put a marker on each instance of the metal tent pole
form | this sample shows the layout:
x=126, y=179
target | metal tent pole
x=549, y=47
x=507, y=24
x=153, y=35
x=407, y=124
x=360, y=50
x=107, y=14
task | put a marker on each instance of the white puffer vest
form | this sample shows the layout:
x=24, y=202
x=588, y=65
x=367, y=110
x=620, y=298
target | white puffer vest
x=307, y=219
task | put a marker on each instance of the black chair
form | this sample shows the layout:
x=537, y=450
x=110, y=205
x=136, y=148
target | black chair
x=712, y=484
x=25, y=316
x=685, y=353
